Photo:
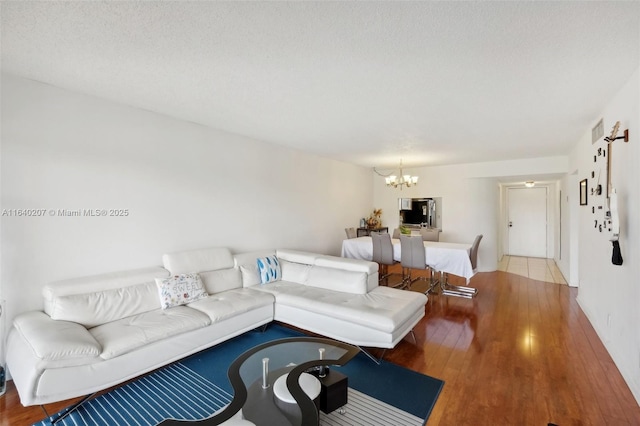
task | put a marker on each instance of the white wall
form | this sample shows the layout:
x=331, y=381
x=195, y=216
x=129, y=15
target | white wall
x=609, y=294
x=471, y=199
x=569, y=252
x=185, y=187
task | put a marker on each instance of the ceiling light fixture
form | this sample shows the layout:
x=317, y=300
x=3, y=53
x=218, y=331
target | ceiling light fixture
x=392, y=180
x=529, y=184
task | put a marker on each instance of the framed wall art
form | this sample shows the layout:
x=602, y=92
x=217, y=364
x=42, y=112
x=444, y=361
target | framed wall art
x=583, y=192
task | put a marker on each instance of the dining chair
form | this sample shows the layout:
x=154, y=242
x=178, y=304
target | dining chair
x=430, y=234
x=413, y=256
x=396, y=234
x=381, y=230
x=351, y=232
x=473, y=254
x=383, y=256
x=464, y=291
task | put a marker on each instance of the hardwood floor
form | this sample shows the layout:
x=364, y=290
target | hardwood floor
x=520, y=353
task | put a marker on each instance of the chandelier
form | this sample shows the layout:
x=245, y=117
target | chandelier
x=404, y=180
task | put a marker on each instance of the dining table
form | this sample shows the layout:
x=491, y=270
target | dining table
x=445, y=257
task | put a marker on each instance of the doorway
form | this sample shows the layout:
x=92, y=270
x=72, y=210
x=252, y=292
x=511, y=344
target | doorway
x=527, y=222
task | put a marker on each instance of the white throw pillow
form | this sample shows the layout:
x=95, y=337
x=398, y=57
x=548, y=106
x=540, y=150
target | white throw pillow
x=180, y=289
x=294, y=272
x=250, y=275
x=269, y=269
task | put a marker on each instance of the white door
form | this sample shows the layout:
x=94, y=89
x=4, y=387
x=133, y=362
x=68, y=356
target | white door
x=527, y=222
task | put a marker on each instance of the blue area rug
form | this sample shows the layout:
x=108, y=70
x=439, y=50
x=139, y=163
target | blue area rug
x=174, y=391
x=412, y=392
x=200, y=386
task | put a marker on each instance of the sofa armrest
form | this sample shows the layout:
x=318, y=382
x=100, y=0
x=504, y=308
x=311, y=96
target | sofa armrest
x=36, y=343
x=56, y=340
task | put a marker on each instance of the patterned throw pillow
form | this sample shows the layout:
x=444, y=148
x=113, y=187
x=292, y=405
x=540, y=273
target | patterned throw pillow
x=269, y=269
x=180, y=290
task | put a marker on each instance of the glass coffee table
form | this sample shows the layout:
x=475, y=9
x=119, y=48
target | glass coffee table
x=253, y=376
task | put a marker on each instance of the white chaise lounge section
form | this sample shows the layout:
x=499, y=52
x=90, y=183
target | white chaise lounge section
x=340, y=298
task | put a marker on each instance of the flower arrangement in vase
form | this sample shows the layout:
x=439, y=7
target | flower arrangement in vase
x=374, y=221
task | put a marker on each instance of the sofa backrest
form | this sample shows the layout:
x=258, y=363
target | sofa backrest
x=214, y=265
x=329, y=272
x=99, y=299
x=297, y=256
x=248, y=265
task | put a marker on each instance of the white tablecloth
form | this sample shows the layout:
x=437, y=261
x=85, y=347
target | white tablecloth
x=452, y=258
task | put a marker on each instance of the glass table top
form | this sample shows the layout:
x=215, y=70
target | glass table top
x=254, y=373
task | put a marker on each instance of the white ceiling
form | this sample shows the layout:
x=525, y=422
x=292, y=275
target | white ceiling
x=364, y=82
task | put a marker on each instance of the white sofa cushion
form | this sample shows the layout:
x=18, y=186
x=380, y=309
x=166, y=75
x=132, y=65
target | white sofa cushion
x=384, y=308
x=127, y=334
x=64, y=342
x=356, y=265
x=278, y=287
x=337, y=280
x=221, y=280
x=250, y=276
x=99, y=299
x=231, y=303
x=215, y=266
x=295, y=272
x=332, y=262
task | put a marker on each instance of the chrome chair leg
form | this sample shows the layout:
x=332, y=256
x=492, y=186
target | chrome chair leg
x=399, y=285
x=456, y=290
x=463, y=294
x=385, y=273
x=433, y=282
x=469, y=290
x=405, y=284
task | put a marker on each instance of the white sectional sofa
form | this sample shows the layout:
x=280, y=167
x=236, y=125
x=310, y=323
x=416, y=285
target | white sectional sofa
x=96, y=332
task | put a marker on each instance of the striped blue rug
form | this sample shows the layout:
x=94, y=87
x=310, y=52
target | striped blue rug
x=152, y=399
x=197, y=387
x=143, y=403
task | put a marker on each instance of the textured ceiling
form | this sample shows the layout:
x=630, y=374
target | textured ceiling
x=364, y=82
